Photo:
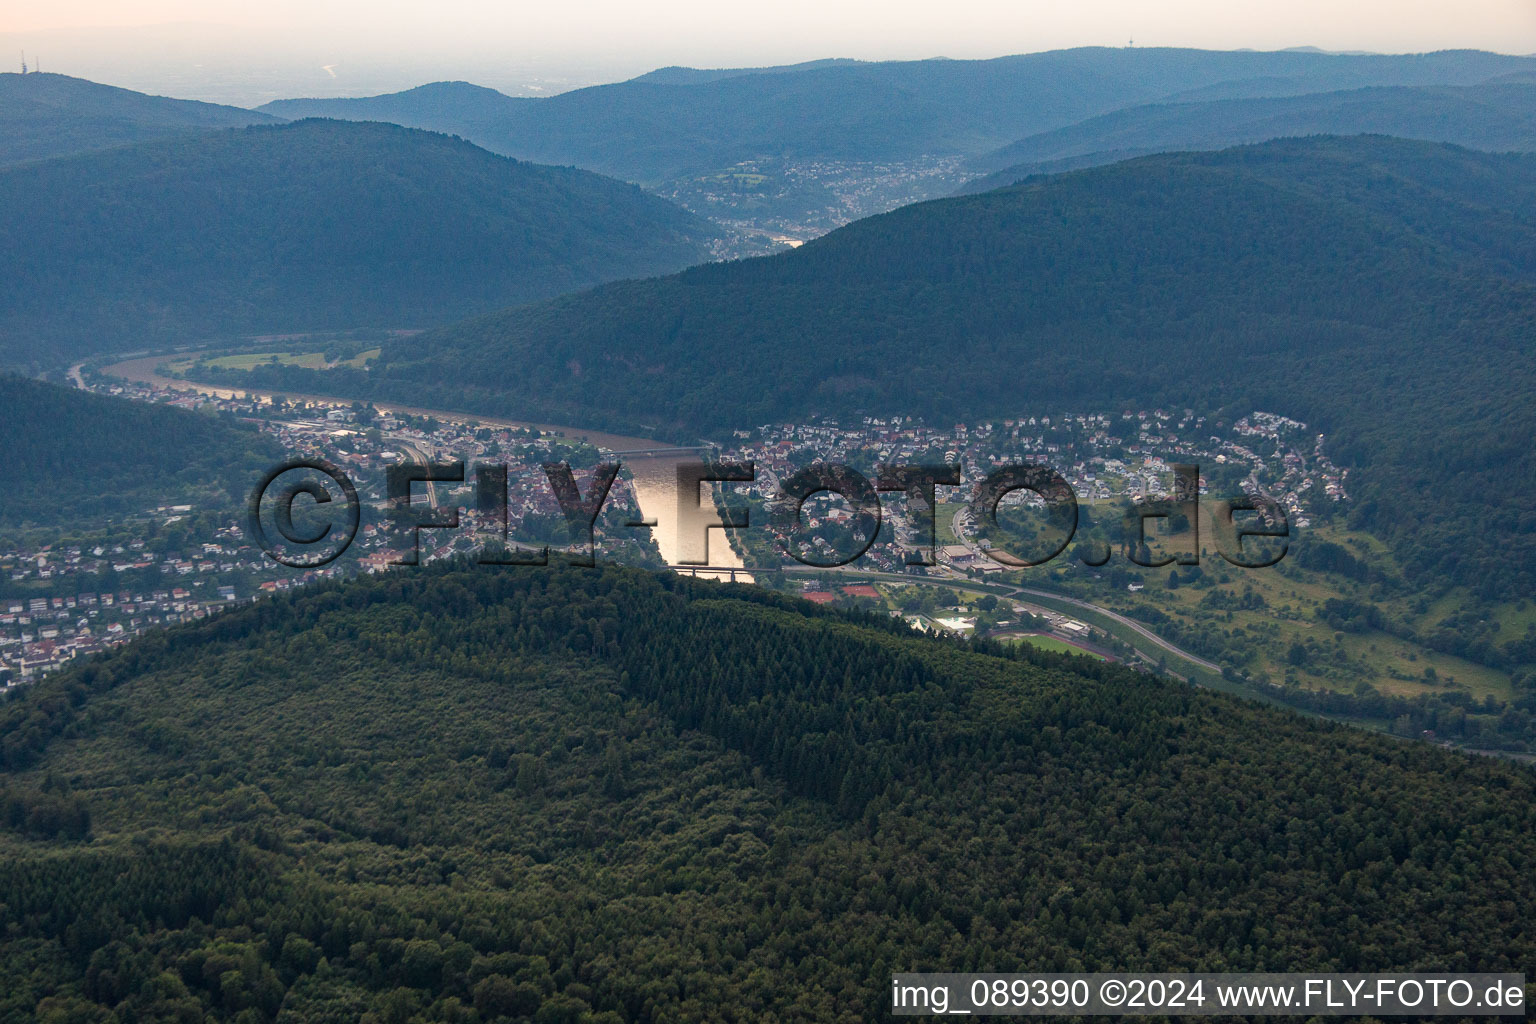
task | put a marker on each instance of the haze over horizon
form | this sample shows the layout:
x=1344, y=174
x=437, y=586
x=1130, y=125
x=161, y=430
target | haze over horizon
x=231, y=53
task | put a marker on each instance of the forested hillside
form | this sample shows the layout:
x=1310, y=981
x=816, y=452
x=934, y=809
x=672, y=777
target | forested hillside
x=680, y=122
x=313, y=225
x=56, y=115
x=72, y=456
x=1379, y=289
x=460, y=794
x=1499, y=117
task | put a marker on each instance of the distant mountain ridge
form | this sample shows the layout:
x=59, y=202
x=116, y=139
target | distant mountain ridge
x=47, y=115
x=675, y=123
x=1497, y=116
x=676, y=75
x=310, y=225
x=456, y=108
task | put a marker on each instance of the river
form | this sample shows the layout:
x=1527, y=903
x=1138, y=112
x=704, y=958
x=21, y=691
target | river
x=654, y=478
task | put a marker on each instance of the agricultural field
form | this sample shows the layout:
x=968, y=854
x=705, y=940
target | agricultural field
x=244, y=361
x=1302, y=626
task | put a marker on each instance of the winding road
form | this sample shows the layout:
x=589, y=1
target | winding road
x=1022, y=593
x=1129, y=624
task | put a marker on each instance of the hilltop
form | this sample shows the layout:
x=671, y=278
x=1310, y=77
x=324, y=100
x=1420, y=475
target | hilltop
x=1496, y=116
x=615, y=797
x=456, y=108
x=47, y=115
x=311, y=225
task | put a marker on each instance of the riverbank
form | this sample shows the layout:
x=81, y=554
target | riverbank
x=653, y=477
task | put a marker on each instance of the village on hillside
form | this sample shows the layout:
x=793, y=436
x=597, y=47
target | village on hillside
x=176, y=563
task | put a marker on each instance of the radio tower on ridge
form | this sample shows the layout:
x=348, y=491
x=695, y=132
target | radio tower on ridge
x=23, y=61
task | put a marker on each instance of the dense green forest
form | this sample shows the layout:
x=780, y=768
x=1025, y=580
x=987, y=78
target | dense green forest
x=72, y=456
x=1384, y=291
x=1495, y=116
x=680, y=122
x=462, y=794
x=55, y=115
x=318, y=224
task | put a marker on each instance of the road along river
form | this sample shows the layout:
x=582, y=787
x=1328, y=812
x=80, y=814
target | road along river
x=654, y=477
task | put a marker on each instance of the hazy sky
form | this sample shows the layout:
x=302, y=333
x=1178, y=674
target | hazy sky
x=242, y=52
